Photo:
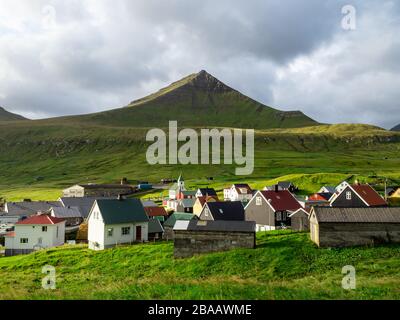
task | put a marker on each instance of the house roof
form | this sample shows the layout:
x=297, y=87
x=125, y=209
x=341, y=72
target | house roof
x=369, y=195
x=40, y=219
x=188, y=193
x=28, y=208
x=155, y=226
x=285, y=184
x=243, y=188
x=122, y=211
x=187, y=203
x=227, y=211
x=220, y=226
x=155, y=211
x=84, y=204
x=361, y=215
x=149, y=203
x=203, y=200
x=207, y=192
x=66, y=212
x=330, y=189
x=177, y=216
x=298, y=211
x=324, y=196
x=281, y=200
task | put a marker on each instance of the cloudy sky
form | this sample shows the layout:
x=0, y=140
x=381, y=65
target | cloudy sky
x=79, y=56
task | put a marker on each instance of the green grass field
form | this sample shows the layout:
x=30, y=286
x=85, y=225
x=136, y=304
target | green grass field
x=284, y=265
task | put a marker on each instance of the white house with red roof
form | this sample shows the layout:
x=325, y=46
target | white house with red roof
x=238, y=192
x=34, y=233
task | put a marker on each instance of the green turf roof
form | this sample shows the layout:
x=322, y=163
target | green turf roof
x=122, y=211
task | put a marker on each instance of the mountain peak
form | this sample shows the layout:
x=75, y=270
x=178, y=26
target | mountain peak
x=206, y=82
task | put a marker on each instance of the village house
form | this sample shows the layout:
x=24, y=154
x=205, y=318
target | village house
x=149, y=203
x=155, y=230
x=199, y=204
x=317, y=199
x=238, y=192
x=156, y=213
x=395, y=194
x=170, y=223
x=34, y=233
x=84, y=204
x=226, y=211
x=357, y=195
x=185, y=205
x=27, y=208
x=114, y=222
x=187, y=194
x=343, y=227
x=72, y=216
x=206, y=192
x=271, y=209
x=197, y=236
x=299, y=220
x=283, y=185
x=97, y=190
x=327, y=189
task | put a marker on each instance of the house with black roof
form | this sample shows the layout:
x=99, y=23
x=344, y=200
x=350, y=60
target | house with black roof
x=225, y=211
x=117, y=221
x=206, y=192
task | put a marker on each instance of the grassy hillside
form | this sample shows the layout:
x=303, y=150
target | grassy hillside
x=38, y=160
x=8, y=116
x=284, y=266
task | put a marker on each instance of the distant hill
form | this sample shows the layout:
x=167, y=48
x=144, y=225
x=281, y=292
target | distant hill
x=199, y=100
x=8, y=116
x=396, y=128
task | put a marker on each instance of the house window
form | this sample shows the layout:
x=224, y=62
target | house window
x=44, y=229
x=23, y=240
x=258, y=201
x=278, y=216
x=206, y=212
x=126, y=231
x=348, y=195
x=110, y=232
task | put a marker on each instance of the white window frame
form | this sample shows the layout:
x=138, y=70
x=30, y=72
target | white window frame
x=22, y=240
x=123, y=229
x=258, y=201
x=348, y=195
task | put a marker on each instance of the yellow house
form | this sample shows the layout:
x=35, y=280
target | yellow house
x=199, y=203
x=396, y=194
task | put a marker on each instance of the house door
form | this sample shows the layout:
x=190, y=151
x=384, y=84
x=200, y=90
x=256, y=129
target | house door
x=138, y=233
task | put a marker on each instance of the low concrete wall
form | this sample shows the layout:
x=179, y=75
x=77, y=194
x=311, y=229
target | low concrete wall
x=189, y=243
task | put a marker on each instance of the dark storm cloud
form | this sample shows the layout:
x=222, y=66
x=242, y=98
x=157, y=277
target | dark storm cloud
x=59, y=57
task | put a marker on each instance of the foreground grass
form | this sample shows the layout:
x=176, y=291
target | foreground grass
x=284, y=266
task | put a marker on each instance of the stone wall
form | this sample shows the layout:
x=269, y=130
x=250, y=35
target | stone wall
x=189, y=243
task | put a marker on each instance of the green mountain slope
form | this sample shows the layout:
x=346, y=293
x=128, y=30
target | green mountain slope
x=8, y=116
x=198, y=100
x=284, y=265
x=396, y=128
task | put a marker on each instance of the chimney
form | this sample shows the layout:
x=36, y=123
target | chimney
x=276, y=188
x=120, y=198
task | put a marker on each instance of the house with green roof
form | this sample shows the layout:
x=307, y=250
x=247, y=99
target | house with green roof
x=170, y=223
x=116, y=221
